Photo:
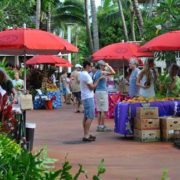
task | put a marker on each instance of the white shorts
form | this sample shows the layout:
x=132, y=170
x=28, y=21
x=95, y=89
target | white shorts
x=101, y=101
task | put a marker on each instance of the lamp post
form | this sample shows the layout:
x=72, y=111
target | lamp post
x=69, y=27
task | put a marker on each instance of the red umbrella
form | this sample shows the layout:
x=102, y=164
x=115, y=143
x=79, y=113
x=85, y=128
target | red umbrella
x=46, y=59
x=169, y=41
x=120, y=51
x=67, y=64
x=23, y=41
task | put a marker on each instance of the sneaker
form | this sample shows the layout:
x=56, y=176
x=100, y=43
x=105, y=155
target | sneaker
x=100, y=129
x=106, y=129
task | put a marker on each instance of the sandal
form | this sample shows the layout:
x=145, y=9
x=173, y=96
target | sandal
x=92, y=137
x=77, y=111
x=86, y=139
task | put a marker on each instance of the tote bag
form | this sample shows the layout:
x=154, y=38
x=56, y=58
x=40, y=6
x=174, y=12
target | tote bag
x=26, y=101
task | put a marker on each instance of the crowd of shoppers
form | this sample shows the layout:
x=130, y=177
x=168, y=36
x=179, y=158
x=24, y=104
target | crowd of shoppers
x=87, y=86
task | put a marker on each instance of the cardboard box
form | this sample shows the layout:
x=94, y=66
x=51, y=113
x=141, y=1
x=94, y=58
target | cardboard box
x=169, y=135
x=170, y=123
x=147, y=112
x=147, y=135
x=176, y=134
x=144, y=124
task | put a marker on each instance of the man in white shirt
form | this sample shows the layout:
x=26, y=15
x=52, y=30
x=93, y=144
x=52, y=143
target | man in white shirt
x=87, y=96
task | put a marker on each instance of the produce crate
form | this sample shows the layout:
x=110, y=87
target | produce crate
x=170, y=123
x=147, y=135
x=170, y=135
x=145, y=124
x=170, y=128
x=147, y=112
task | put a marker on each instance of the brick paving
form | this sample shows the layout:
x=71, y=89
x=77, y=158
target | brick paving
x=125, y=159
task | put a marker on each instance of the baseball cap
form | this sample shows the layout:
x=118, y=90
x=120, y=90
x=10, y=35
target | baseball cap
x=101, y=62
x=78, y=66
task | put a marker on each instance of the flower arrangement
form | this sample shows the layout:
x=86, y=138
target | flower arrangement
x=8, y=123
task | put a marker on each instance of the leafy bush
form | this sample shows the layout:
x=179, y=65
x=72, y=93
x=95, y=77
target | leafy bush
x=8, y=149
x=8, y=70
x=19, y=164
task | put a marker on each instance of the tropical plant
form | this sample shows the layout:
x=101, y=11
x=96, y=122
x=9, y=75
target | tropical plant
x=8, y=122
x=15, y=13
x=165, y=175
x=165, y=17
x=19, y=164
x=9, y=149
x=8, y=70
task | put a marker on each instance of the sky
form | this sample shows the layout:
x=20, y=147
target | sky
x=98, y=2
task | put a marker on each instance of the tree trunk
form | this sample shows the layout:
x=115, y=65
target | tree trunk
x=139, y=16
x=49, y=18
x=38, y=13
x=132, y=21
x=132, y=26
x=123, y=20
x=88, y=28
x=95, y=26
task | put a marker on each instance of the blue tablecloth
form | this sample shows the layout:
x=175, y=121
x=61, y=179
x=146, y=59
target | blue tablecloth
x=124, y=112
x=40, y=102
x=57, y=102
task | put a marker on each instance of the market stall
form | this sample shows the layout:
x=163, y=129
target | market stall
x=48, y=97
x=126, y=111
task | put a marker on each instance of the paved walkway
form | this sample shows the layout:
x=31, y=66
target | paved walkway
x=125, y=159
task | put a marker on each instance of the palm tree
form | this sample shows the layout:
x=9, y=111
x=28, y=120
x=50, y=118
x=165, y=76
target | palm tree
x=139, y=16
x=88, y=28
x=38, y=13
x=123, y=19
x=49, y=18
x=132, y=21
x=94, y=26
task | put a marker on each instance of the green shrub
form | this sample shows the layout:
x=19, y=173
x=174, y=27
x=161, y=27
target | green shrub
x=9, y=149
x=19, y=164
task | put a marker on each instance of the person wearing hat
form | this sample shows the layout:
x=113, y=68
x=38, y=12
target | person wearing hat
x=75, y=87
x=101, y=93
x=133, y=88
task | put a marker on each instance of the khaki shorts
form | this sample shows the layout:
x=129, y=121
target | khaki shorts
x=101, y=101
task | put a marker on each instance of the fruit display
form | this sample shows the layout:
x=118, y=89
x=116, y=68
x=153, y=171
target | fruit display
x=48, y=86
x=51, y=87
x=141, y=99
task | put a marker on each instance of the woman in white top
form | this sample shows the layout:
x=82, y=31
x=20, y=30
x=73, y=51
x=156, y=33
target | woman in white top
x=146, y=78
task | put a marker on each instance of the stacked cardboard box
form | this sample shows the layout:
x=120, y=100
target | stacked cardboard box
x=147, y=124
x=170, y=128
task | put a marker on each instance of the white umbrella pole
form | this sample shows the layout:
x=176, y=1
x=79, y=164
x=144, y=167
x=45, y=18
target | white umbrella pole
x=24, y=74
x=123, y=78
